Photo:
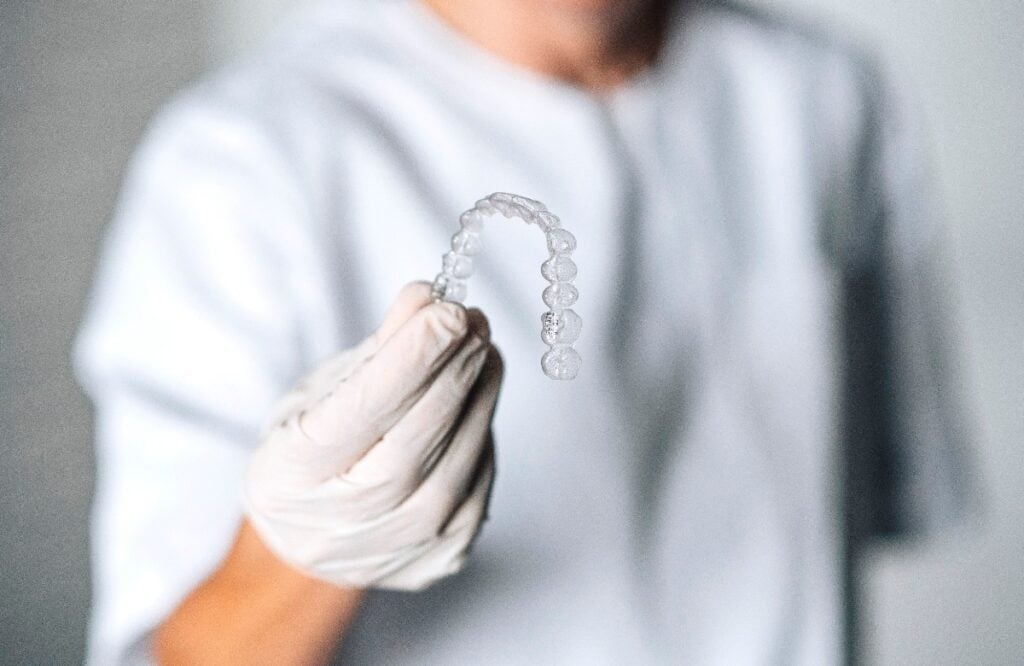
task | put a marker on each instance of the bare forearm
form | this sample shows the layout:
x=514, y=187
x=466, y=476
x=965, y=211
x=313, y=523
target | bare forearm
x=256, y=609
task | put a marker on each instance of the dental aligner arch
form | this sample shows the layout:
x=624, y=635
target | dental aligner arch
x=560, y=325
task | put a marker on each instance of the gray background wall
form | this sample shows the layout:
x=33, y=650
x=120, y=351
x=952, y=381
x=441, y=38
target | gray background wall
x=77, y=82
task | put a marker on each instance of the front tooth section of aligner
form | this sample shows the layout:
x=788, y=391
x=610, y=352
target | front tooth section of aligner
x=560, y=295
x=525, y=214
x=559, y=268
x=529, y=204
x=561, y=363
x=501, y=199
x=467, y=243
x=504, y=206
x=560, y=241
x=547, y=220
x=457, y=265
x=560, y=328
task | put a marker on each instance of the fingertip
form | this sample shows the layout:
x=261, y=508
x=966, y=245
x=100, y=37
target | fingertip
x=415, y=293
x=454, y=316
x=411, y=298
x=448, y=323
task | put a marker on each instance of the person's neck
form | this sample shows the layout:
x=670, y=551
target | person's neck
x=595, y=49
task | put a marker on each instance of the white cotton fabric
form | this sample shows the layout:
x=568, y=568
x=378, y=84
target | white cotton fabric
x=679, y=501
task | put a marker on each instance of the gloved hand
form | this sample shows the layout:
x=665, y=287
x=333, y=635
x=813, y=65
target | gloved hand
x=376, y=469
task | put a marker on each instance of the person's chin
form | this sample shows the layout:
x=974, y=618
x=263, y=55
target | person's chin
x=593, y=5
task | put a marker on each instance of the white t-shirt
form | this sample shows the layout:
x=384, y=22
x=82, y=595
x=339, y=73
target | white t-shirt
x=757, y=296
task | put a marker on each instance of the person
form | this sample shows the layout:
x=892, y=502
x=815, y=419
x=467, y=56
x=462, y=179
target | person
x=765, y=382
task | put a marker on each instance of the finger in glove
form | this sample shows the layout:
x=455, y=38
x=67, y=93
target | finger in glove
x=361, y=409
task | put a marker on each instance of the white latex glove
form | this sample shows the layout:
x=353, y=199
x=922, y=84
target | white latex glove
x=376, y=470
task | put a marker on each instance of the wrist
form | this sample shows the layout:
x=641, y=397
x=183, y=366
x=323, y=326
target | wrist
x=257, y=605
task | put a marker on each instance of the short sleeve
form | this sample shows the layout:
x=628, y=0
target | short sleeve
x=908, y=421
x=189, y=336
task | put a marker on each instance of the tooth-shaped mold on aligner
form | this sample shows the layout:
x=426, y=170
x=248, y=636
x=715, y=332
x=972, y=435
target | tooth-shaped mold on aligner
x=559, y=268
x=466, y=243
x=561, y=363
x=560, y=295
x=457, y=265
x=560, y=241
x=560, y=326
x=547, y=221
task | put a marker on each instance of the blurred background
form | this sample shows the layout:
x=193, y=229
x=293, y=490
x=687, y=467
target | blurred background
x=77, y=84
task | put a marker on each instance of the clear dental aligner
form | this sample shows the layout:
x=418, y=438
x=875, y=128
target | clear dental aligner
x=560, y=325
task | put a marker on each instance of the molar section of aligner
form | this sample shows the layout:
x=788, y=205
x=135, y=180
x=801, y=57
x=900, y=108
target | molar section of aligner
x=559, y=268
x=550, y=326
x=570, y=326
x=560, y=327
x=560, y=295
x=562, y=362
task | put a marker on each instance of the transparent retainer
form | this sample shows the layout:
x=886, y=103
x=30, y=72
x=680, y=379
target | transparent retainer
x=560, y=325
